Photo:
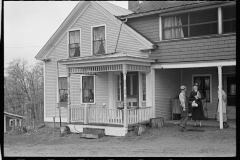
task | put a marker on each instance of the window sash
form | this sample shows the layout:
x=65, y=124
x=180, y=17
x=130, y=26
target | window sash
x=88, y=89
x=188, y=25
x=99, y=42
x=204, y=86
x=74, y=43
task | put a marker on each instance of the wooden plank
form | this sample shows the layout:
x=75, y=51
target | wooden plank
x=91, y=136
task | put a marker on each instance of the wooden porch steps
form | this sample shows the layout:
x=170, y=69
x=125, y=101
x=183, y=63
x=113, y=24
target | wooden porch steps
x=93, y=133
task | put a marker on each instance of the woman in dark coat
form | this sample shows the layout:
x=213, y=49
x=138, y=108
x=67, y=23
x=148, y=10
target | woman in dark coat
x=197, y=112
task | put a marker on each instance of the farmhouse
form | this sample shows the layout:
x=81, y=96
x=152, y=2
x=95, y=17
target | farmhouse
x=109, y=67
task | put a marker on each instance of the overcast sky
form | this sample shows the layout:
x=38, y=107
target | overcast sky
x=28, y=25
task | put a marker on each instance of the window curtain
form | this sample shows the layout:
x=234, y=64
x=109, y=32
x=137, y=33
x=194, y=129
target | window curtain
x=88, y=88
x=99, y=40
x=173, y=32
x=74, y=41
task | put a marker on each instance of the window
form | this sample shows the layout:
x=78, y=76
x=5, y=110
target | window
x=144, y=86
x=190, y=24
x=204, y=86
x=63, y=89
x=99, y=40
x=132, y=84
x=88, y=89
x=229, y=19
x=74, y=43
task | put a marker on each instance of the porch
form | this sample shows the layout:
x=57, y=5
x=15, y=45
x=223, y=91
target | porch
x=117, y=96
x=209, y=75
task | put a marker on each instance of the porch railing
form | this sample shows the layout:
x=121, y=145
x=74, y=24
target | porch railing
x=138, y=115
x=77, y=114
x=108, y=115
x=105, y=115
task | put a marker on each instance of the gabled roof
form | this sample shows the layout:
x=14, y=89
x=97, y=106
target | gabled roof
x=14, y=115
x=155, y=7
x=111, y=11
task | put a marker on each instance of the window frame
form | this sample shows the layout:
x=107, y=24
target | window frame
x=187, y=11
x=80, y=41
x=188, y=25
x=100, y=25
x=94, y=83
x=211, y=84
x=59, y=90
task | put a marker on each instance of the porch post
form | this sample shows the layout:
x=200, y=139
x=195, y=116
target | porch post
x=68, y=109
x=220, y=96
x=125, y=94
x=153, y=92
x=86, y=114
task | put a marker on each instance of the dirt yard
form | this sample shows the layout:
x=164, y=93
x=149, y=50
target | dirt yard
x=163, y=142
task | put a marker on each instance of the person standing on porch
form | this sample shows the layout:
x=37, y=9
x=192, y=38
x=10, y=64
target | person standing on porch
x=184, y=108
x=224, y=109
x=197, y=109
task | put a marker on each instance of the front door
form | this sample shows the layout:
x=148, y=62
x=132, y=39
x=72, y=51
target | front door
x=132, y=89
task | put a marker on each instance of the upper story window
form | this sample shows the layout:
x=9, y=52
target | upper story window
x=193, y=24
x=74, y=43
x=99, y=40
x=229, y=19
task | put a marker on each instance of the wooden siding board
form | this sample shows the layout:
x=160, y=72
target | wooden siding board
x=167, y=83
x=215, y=48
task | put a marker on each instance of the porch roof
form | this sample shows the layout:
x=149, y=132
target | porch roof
x=109, y=62
x=14, y=115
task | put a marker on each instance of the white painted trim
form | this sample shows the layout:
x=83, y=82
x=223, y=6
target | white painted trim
x=111, y=131
x=140, y=93
x=5, y=121
x=44, y=86
x=80, y=40
x=94, y=83
x=200, y=75
x=57, y=119
x=220, y=29
x=160, y=28
x=153, y=93
x=100, y=25
x=195, y=65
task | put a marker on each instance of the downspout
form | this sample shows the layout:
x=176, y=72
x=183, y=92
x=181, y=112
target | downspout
x=119, y=34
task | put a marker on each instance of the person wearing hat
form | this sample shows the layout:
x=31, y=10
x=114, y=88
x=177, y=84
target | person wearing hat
x=196, y=103
x=184, y=108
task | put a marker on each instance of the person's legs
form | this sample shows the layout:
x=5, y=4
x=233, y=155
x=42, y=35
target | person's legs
x=184, y=121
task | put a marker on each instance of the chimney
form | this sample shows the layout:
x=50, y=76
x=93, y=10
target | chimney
x=133, y=5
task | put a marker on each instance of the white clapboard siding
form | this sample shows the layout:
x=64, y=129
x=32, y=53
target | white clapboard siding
x=75, y=92
x=101, y=89
x=93, y=17
x=167, y=83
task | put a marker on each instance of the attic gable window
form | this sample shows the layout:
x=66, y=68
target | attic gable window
x=74, y=43
x=198, y=23
x=99, y=40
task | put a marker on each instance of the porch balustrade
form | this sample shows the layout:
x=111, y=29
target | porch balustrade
x=138, y=115
x=108, y=115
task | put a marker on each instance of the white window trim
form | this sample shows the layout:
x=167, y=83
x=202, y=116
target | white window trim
x=199, y=75
x=105, y=37
x=58, y=98
x=94, y=83
x=79, y=41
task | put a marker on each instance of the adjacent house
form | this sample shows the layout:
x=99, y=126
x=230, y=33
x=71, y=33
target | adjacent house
x=109, y=67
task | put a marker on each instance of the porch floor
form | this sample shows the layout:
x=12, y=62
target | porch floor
x=205, y=123
x=98, y=124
